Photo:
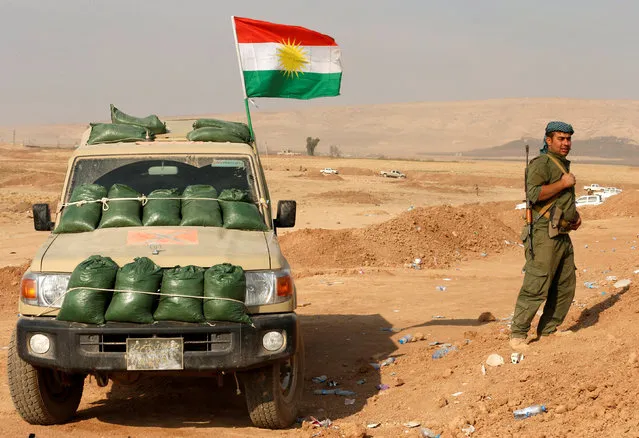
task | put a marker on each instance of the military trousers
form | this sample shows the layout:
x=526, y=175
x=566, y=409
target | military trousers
x=549, y=277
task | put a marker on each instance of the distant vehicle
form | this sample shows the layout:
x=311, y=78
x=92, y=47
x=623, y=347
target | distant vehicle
x=593, y=187
x=329, y=171
x=610, y=191
x=392, y=174
x=589, y=200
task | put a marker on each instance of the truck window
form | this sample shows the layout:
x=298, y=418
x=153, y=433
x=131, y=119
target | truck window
x=145, y=174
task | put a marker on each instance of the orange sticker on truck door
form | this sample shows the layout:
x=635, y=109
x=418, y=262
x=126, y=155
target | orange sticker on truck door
x=164, y=237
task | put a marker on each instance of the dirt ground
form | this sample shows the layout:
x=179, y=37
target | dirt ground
x=353, y=253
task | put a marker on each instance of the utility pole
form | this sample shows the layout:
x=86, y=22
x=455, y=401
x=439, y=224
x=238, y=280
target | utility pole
x=14, y=137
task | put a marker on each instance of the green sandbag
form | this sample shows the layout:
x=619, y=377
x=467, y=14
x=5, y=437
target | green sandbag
x=188, y=280
x=220, y=135
x=242, y=216
x=234, y=195
x=152, y=122
x=204, y=212
x=122, y=213
x=86, y=305
x=141, y=275
x=116, y=133
x=81, y=218
x=225, y=281
x=159, y=211
x=240, y=130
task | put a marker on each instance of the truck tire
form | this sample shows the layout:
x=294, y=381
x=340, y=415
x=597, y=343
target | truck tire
x=42, y=395
x=273, y=393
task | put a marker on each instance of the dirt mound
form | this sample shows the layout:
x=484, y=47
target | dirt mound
x=440, y=236
x=357, y=171
x=625, y=204
x=313, y=175
x=350, y=197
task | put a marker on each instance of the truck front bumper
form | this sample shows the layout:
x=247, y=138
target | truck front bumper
x=85, y=348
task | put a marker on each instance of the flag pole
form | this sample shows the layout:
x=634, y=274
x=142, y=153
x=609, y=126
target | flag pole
x=246, y=101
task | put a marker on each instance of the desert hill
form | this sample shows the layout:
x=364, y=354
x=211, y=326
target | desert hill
x=407, y=129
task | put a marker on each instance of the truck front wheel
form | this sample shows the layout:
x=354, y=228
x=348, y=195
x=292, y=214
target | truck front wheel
x=42, y=395
x=273, y=393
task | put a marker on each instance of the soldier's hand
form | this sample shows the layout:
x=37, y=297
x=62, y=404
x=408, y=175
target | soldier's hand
x=568, y=179
x=575, y=225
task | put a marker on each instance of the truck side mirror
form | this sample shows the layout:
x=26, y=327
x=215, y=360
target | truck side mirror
x=42, y=217
x=286, y=211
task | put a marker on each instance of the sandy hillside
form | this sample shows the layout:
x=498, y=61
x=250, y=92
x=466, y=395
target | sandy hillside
x=351, y=253
x=406, y=129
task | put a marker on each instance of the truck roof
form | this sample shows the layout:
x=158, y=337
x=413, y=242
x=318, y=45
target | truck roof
x=173, y=142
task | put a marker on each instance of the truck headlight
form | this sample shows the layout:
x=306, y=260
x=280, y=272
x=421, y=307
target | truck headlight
x=45, y=290
x=268, y=287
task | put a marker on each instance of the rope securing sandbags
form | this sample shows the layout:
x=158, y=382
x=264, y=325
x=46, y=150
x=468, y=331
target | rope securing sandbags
x=123, y=213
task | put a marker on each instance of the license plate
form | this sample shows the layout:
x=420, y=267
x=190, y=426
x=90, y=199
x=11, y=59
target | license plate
x=151, y=354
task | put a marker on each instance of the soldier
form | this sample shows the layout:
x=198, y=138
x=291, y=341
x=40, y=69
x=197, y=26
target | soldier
x=550, y=267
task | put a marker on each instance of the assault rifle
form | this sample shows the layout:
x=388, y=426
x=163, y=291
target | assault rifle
x=529, y=216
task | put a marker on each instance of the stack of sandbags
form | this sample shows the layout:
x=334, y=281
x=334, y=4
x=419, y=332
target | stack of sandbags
x=239, y=213
x=82, y=217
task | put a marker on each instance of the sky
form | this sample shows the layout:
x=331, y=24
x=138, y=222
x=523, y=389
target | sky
x=66, y=61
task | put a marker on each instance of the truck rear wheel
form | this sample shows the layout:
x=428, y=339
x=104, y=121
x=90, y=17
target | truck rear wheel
x=273, y=393
x=42, y=395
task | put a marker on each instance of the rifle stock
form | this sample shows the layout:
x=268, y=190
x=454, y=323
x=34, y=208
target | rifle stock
x=529, y=216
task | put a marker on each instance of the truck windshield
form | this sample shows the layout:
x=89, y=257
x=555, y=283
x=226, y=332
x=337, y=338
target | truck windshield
x=146, y=174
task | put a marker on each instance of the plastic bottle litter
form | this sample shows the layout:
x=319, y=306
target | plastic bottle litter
x=341, y=392
x=349, y=401
x=383, y=387
x=344, y=392
x=611, y=278
x=591, y=284
x=427, y=433
x=440, y=288
x=441, y=352
x=520, y=414
x=405, y=339
x=319, y=379
x=468, y=430
x=388, y=361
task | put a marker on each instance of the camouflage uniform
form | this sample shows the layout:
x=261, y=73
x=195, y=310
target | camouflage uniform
x=550, y=276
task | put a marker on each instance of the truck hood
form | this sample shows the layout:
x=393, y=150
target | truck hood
x=166, y=246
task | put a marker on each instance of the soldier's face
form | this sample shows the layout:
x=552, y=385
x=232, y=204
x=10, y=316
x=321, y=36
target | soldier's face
x=559, y=143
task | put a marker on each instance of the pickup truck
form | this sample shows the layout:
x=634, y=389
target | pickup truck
x=329, y=171
x=49, y=359
x=392, y=174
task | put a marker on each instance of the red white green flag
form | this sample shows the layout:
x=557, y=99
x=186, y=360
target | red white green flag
x=278, y=60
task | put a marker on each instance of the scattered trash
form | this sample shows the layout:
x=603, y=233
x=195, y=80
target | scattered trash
x=483, y=369
x=636, y=271
x=507, y=242
x=349, y=401
x=332, y=384
x=410, y=208
x=520, y=414
x=586, y=246
x=438, y=317
x=611, y=278
x=375, y=366
x=319, y=379
x=388, y=361
x=603, y=293
x=427, y=433
x=391, y=329
x=382, y=387
x=317, y=423
x=303, y=304
x=468, y=430
x=373, y=425
x=516, y=357
x=405, y=339
x=457, y=394
x=483, y=254
x=441, y=352
x=447, y=279
x=591, y=284
x=622, y=283
x=361, y=382
x=341, y=392
x=412, y=424
x=494, y=360
x=440, y=288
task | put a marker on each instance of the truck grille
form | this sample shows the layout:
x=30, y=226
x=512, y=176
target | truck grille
x=116, y=343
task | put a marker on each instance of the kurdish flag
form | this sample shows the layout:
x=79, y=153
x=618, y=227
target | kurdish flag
x=286, y=61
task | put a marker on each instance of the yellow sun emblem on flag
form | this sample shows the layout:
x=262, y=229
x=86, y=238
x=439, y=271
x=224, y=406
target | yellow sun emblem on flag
x=292, y=58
